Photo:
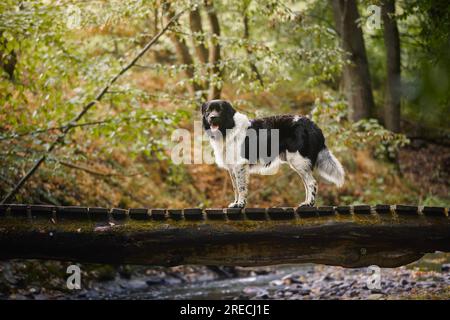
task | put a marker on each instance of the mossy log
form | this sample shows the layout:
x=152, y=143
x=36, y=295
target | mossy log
x=387, y=236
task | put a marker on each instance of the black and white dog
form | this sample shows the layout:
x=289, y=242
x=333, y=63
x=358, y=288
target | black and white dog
x=238, y=143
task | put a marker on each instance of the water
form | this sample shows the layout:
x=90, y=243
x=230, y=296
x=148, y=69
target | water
x=211, y=289
x=206, y=287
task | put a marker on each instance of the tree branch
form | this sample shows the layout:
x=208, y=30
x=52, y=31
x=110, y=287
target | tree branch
x=195, y=22
x=184, y=56
x=98, y=173
x=78, y=125
x=247, y=48
x=88, y=170
x=215, y=90
x=85, y=109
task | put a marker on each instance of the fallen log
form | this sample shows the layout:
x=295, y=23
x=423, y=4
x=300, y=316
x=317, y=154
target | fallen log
x=387, y=236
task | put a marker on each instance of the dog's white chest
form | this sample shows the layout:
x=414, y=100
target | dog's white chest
x=219, y=152
x=228, y=151
x=228, y=154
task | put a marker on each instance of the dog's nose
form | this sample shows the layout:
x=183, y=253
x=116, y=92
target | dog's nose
x=212, y=118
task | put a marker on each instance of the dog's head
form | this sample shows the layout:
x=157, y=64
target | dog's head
x=218, y=116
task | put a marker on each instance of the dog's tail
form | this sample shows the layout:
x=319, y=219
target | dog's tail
x=330, y=168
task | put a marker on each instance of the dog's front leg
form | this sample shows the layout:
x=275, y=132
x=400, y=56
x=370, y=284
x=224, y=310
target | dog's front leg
x=235, y=189
x=241, y=174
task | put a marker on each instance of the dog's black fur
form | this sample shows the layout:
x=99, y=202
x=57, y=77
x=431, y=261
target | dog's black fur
x=302, y=135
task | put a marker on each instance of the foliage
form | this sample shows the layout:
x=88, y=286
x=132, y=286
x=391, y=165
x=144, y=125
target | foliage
x=344, y=136
x=67, y=50
x=425, y=28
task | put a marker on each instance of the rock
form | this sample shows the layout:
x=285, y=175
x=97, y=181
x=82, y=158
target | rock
x=251, y=291
x=102, y=228
x=376, y=291
x=279, y=293
x=327, y=278
x=427, y=284
x=292, y=278
x=152, y=281
x=33, y=291
x=445, y=267
x=340, y=292
x=287, y=280
x=354, y=293
x=263, y=294
x=304, y=292
x=9, y=275
x=172, y=280
x=276, y=283
x=137, y=284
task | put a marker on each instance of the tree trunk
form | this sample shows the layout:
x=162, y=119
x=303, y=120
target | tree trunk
x=68, y=127
x=393, y=80
x=215, y=89
x=195, y=22
x=253, y=67
x=184, y=56
x=356, y=75
x=8, y=61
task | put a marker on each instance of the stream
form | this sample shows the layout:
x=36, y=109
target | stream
x=428, y=278
x=206, y=288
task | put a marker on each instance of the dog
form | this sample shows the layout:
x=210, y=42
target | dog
x=291, y=139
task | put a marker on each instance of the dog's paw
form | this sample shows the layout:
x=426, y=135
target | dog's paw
x=305, y=204
x=236, y=205
x=232, y=205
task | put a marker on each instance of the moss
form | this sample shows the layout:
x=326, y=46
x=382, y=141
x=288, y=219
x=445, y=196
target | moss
x=440, y=294
x=103, y=272
x=43, y=225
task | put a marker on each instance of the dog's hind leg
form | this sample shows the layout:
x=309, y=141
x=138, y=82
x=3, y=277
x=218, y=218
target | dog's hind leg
x=311, y=189
x=303, y=167
x=235, y=189
x=241, y=174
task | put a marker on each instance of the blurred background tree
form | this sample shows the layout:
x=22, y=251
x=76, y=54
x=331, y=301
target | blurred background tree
x=373, y=91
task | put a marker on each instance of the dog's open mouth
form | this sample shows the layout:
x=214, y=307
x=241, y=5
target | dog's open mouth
x=214, y=127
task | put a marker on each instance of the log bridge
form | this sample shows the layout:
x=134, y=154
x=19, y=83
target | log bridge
x=348, y=236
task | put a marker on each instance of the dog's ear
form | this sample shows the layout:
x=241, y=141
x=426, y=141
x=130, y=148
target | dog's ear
x=228, y=114
x=204, y=107
x=229, y=108
x=206, y=125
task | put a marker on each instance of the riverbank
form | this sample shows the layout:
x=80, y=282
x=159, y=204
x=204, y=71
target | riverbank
x=429, y=278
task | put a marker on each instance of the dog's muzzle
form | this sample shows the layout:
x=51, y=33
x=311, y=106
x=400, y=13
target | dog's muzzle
x=214, y=122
